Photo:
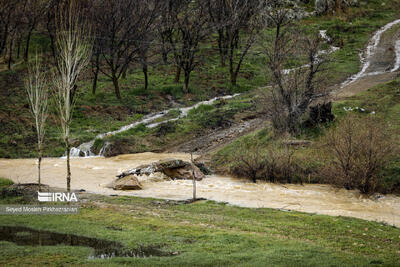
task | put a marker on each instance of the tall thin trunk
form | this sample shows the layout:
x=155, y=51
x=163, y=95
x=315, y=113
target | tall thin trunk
x=19, y=49
x=94, y=86
x=116, y=86
x=39, y=165
x=146, y=78
x=10, y=53
x=28, y=41
x=194, y=178
x=233, y=77
x=68, y=164
x=178, y=74
x=222, y=51
x=165, y=57
x=186, y=84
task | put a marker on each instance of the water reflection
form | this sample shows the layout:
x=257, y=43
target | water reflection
x=24, y=236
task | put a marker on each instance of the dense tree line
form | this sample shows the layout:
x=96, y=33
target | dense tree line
x=131, y=33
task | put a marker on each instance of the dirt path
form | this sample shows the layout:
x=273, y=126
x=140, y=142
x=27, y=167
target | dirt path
x=217, y=139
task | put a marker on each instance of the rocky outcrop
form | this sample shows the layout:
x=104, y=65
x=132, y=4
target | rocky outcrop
x=130, y=182
x=320, y=113
x=173, y=168
x=326, y=6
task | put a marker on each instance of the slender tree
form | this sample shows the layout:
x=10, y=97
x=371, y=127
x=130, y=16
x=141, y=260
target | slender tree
x=37, y=91
x=190, y=21
x=73, y=51
x=293, y=91
x=7, y=16
x=237, y=23
x=34, y=11
x=120, y=27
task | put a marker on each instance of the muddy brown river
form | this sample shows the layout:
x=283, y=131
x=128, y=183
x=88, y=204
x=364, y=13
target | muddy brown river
x=93, y=173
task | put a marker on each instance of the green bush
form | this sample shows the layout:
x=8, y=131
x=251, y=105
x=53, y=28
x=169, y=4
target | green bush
x=5, y=182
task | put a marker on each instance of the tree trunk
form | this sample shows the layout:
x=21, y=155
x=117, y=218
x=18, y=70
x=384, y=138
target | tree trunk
x=194, y=178
x=39, y=164
x=178, y=74
x=146, y=78
x=19, y=49
x=222, y=51
x=10, y=53
x=186, y=84
x=233, y=77
x=116, y=87
x=28, y=41
x=96, y=74
x=124, y=73
x=94, y=86
x=338, y=6
x=68, y=164
x=165, y=57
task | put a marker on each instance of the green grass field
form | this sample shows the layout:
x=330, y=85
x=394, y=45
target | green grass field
x=205, y=233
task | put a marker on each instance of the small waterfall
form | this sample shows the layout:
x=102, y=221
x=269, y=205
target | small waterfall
x=397, y=63
x=366, y=60
x=85, y=149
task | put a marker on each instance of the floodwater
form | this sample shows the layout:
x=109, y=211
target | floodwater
x=92, y=174
x=24, y=236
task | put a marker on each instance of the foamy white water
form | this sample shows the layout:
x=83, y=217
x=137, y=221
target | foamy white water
x=370, y=51
x=397, y=50
x=148, y=121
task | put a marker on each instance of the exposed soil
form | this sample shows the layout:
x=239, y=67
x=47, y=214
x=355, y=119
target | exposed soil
x=220, y=137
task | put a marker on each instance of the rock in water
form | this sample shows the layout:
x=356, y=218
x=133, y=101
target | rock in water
x=185, y=173
x=130, y=182
x=174, y=168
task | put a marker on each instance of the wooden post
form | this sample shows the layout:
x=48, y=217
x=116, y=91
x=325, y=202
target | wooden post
x=194, y=178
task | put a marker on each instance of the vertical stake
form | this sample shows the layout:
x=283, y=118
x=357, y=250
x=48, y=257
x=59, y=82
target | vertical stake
x=194, y=178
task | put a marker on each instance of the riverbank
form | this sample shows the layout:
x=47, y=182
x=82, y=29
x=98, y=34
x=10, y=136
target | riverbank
x=205, y=233
x=92, y=174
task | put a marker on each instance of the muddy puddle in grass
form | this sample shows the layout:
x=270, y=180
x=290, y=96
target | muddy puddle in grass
x=102, y=249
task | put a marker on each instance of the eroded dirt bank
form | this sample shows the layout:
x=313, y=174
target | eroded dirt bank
x=92, y=174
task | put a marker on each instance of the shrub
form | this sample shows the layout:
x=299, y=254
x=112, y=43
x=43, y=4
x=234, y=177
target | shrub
x=273, y=162
x=5, y=182
x=357, y=151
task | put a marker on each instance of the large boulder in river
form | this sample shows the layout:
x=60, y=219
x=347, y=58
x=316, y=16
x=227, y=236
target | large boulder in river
x=130, y=182
x=185, y=172
x=174, y=168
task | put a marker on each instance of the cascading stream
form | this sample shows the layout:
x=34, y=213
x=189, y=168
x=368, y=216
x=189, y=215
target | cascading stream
x=370, y=51
x=85, y=149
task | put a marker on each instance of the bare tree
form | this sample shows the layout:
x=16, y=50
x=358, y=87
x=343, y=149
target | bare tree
x=120, y=26
x=7, y=15
x=293, y=90
x=73, y=50
x=237, y=23
x=357, y=150
x=34, y=11
x=37, y=91
x=191, y=24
